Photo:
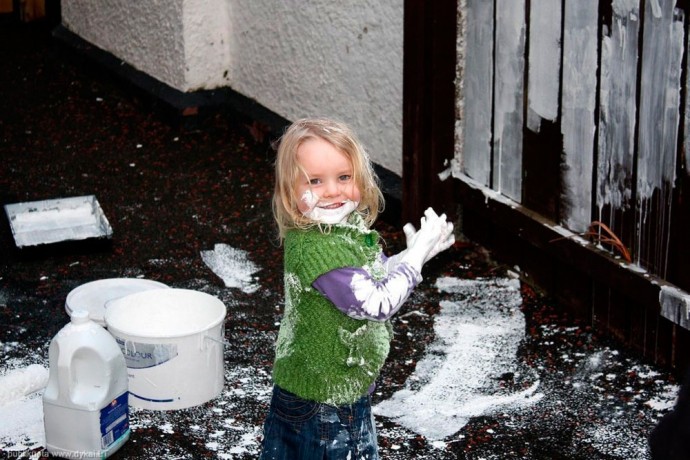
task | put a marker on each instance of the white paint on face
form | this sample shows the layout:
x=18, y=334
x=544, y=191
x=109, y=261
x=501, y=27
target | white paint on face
x=325, y=212
x=328, y=194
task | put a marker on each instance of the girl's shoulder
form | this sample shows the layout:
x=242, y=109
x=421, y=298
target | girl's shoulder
x=331, y=234
x=315, y=251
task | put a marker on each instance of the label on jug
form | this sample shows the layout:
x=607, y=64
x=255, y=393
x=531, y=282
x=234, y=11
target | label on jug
x=114, y=420
x=143, y=355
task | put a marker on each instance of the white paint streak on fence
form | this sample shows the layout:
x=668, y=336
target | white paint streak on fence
x=686, y=140
x=544, y=62
x=461, y=48
x=509, y=97
x=662, y=50
x=618, y=106
x=477, y=90
x=577, y=116
x=659, y=98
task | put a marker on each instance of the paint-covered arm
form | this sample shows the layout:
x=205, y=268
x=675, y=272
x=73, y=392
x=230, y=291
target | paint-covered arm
x=357, y=294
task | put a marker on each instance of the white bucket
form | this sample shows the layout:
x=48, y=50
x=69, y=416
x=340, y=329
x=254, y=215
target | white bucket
x=172, y=340
x=95, y=296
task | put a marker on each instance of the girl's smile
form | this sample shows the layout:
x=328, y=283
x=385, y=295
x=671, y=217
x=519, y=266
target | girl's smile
x=328, y=192
x=332, y=206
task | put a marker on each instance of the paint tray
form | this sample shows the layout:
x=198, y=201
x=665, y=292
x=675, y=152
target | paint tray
x=56, y=221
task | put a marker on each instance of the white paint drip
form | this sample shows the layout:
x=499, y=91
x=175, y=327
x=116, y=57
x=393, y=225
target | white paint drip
x=293, y=292
x=659, y=123
x=686, y=140
x=232, y=266
x=618, y=107
x=659, y=98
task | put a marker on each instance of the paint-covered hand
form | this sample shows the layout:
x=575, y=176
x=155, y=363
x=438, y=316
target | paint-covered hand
x=447, y=238
x=435, y=235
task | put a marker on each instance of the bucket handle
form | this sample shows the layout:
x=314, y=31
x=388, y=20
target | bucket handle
x=222, y=342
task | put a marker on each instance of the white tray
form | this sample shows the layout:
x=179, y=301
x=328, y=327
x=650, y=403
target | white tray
x=53, y=221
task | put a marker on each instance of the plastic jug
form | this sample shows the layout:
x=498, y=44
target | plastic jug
x=85, y=411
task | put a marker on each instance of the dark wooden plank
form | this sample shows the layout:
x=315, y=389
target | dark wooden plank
x=681, y=357
x=542, y=170
x=601, y=306
x=430, y=34
x=679, y=248
x=636, y=316
x=573, y=291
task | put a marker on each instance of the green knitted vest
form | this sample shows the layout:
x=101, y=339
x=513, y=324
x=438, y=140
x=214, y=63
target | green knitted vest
x=322, y=354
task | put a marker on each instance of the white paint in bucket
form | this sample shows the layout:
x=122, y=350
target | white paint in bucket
x=172, y=340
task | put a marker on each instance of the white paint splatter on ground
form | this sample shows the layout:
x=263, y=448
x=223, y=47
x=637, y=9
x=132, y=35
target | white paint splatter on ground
x=225, y=425
x=603, y=402
x=22, y=424
x=607, y=403
x=477, y=335
x=21, y=382
x=21, y=418
x=232, y=266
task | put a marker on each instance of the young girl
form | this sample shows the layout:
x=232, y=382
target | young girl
x=340, y=292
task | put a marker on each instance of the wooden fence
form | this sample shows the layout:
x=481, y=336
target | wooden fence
x=571, y=127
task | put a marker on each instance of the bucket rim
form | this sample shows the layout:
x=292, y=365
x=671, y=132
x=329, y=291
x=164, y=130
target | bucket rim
x=113, y=307
x=97, y=312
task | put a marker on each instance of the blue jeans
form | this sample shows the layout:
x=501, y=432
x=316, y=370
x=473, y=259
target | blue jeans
x=297, y=429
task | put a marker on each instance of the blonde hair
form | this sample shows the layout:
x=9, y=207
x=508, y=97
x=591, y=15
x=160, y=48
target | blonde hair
x=288, y=172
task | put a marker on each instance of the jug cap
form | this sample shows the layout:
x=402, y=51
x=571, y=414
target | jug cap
x=79, y=317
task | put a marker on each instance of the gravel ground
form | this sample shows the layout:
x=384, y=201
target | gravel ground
x=171, y=194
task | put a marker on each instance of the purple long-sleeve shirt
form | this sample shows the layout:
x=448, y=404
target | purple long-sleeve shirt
x=357, y=294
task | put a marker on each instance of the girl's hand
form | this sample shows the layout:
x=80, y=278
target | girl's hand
x=435, y=235
x=446, y=240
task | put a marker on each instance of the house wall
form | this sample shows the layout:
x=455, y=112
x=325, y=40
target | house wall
x=296, y=58
x=147, y=35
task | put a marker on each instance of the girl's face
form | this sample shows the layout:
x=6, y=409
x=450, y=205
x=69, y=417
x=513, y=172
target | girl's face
x=328, y=194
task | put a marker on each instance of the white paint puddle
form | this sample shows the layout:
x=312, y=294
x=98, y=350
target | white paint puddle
x=22, y=426
x=21, y=416
x=232, y=266
x=477, y=335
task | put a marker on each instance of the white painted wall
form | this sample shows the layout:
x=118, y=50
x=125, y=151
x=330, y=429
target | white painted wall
x=295, y=57
x=147, y=35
